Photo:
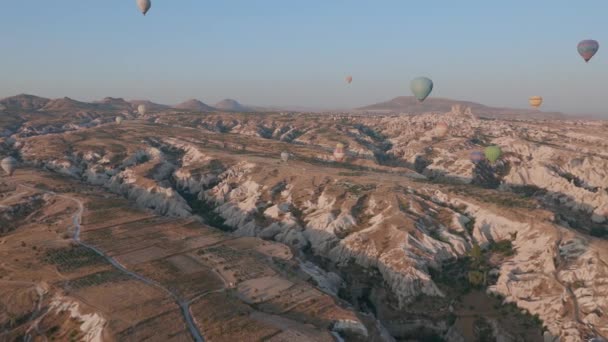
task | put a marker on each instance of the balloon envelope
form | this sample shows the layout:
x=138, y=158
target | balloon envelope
x=421, y=87
x=442, y=129
x=119, y=119
x=339, y=152
x=141, y=109
x=535, y=101
x=284, y=156
x=9, y=164
x=349, y=79
x=492, y=153
x=476, y=156
x=587, y=48
x=144, y=6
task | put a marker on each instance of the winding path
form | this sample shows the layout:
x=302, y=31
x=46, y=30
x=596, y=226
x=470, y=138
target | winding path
x=183, y=304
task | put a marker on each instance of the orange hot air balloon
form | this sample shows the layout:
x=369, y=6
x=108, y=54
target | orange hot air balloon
x=442, y=129
x=535, y=101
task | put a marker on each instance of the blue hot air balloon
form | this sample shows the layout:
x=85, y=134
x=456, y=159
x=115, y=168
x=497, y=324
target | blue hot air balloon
x=421, y=87
x=588, y=48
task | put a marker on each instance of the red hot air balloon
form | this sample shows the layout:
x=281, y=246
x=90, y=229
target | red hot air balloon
x=349, y=79
x=588, y=48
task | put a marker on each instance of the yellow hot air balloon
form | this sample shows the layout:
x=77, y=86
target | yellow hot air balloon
x=535, y=101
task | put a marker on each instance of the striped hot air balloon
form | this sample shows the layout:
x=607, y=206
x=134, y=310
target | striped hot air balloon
x=535, y=101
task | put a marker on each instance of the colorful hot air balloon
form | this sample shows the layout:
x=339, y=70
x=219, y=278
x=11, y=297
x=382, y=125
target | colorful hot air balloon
x=349, y=79
x=442, y=129
x=421, y=87
x=144, y=6
x=119, y=119
x=492, y=153
x=284, y=156
x=535, y=101
x=8, y=164
x=476, y=156
x=588, y=48
x=339, y=152
x=141, y=109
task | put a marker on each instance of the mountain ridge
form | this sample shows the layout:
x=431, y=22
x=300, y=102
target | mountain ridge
x=409, y=105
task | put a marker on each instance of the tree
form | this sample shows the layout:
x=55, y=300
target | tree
x=477, y=278
x=476, y=256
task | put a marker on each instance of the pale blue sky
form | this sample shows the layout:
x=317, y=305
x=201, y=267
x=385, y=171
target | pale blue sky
x=272, y=52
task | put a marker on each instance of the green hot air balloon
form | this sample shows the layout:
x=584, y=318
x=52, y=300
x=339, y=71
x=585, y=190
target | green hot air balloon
x=493, y=153
x=421, y=87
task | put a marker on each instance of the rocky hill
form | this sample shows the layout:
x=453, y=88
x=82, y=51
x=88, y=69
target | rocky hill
x=230, y=105
x=409, y=105
x=24, y=102
x=407, y=230
x=194, y=106
x=149, y=105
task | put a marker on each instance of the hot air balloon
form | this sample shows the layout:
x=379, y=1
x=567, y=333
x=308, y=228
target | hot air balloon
x=442, y=129
x=9, y=164
x=349, y=79
x=421, y=87
x=535, y=101
x=339, y=152
x=144, y=6
x=588, y=48
x=141, y=109
x=492, y=153
x=284, y=156
x=119, y=119
x=476, y=156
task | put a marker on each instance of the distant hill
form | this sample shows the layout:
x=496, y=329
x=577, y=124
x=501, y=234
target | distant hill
x=151, y=106
x=231, y=105
x=67, y=104
x=24, y=102
x=112, y=103
x=409, y=105
x=195, y=106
